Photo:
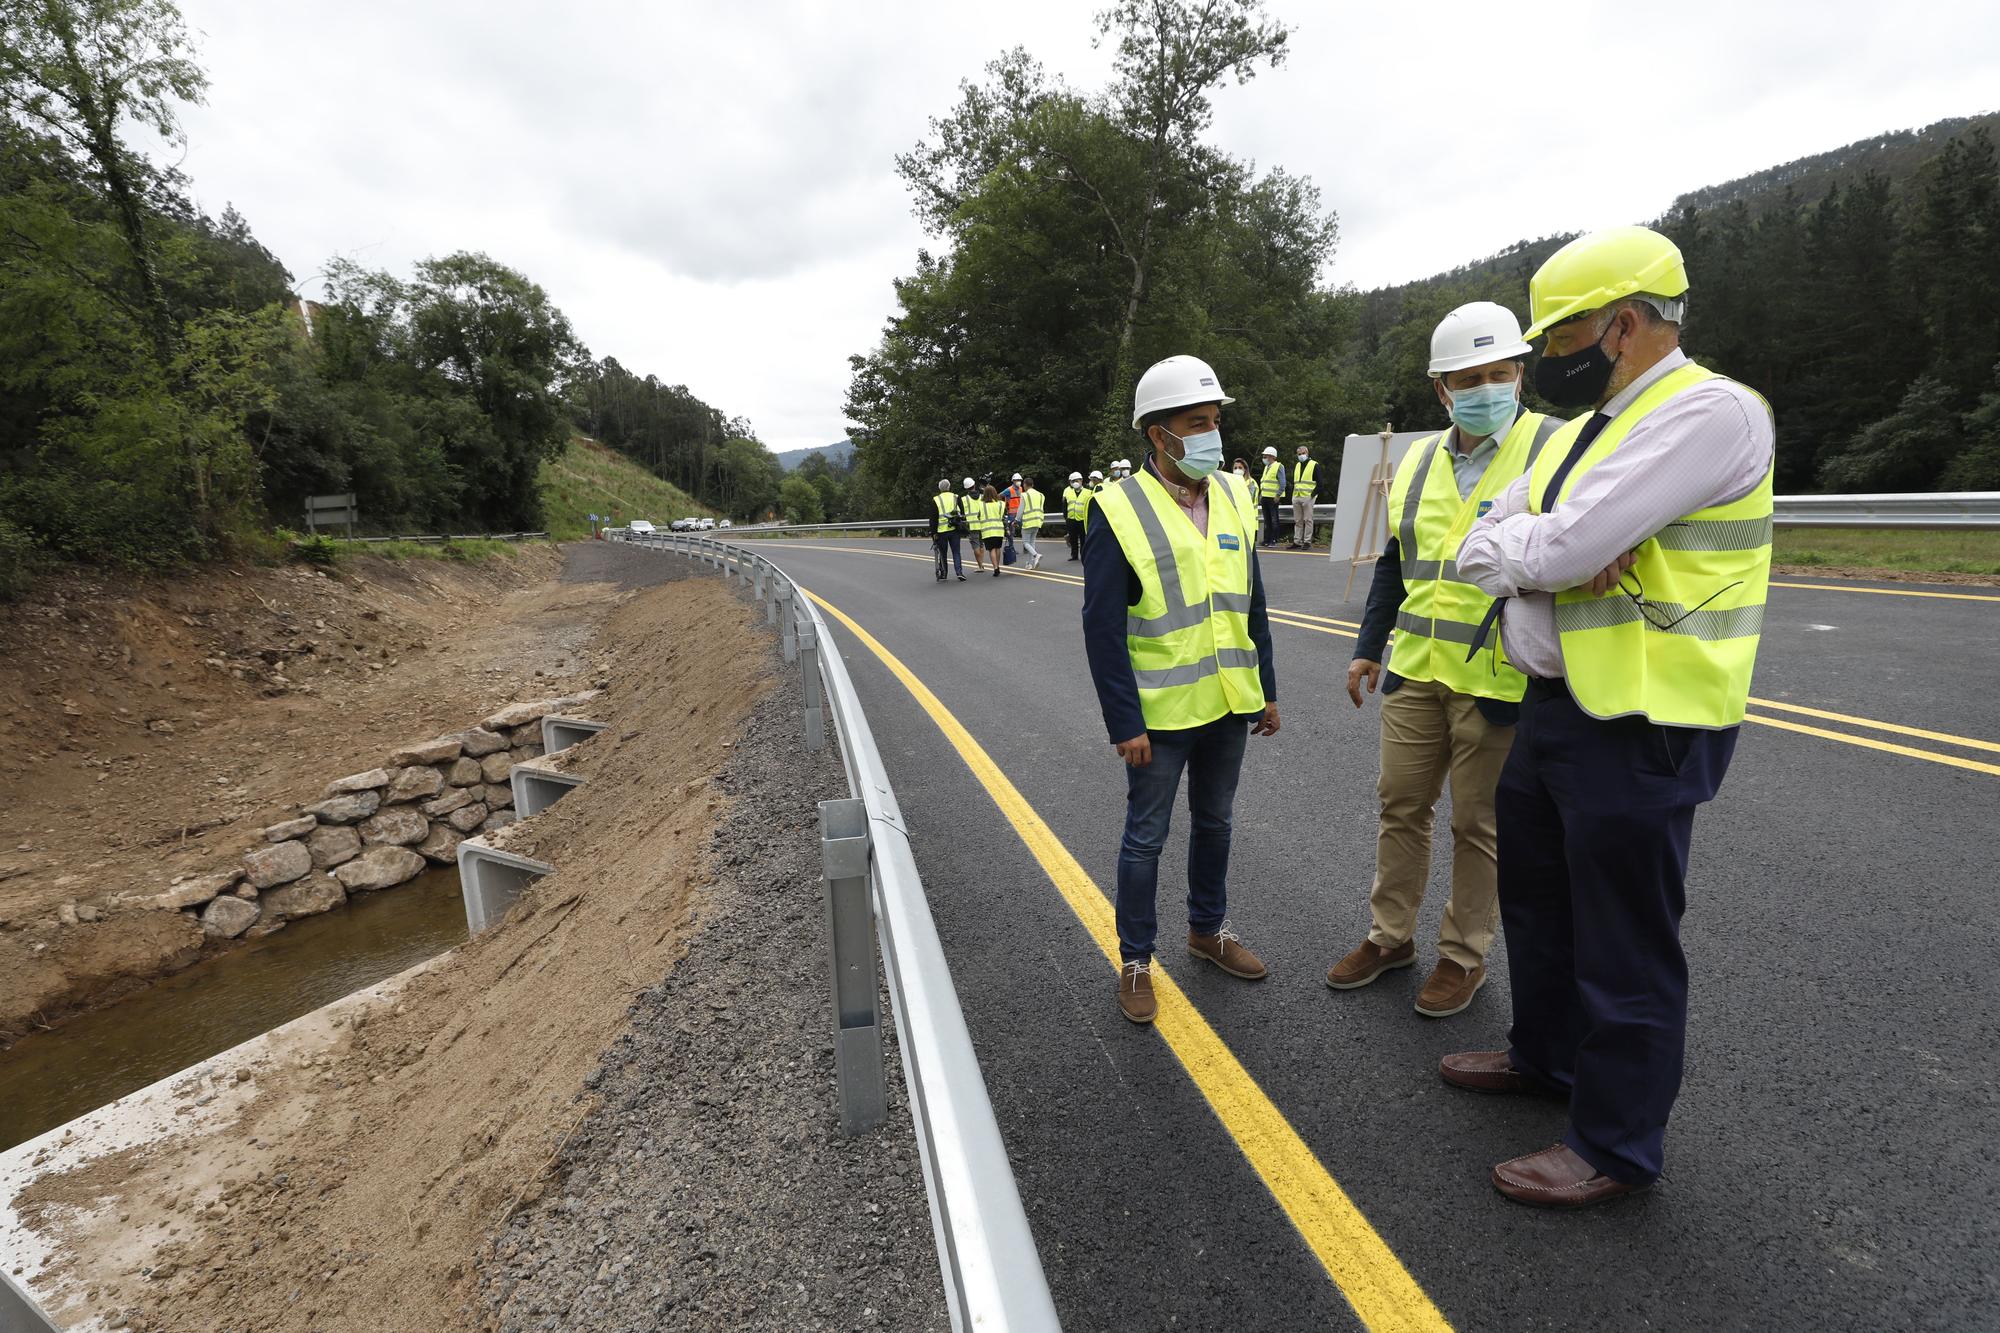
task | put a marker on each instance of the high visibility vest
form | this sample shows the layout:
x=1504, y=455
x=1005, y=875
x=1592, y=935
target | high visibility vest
x=1076, y=503
x=1306, y=480
x=991, y=517
x=1031, y=510
x=947, y=508
x=1441, y=614
x=1683, y=658
x=1274, y=479
x=1189, y=632
x=1012, y=497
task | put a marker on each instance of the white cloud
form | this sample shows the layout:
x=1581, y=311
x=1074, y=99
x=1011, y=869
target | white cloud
x=709, y=192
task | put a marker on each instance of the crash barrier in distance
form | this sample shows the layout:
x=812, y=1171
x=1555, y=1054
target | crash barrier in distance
x=453, y=537
x=993, y=1274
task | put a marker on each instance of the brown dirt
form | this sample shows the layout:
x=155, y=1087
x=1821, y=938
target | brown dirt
x=1884, y=575
x=150, y=727
x=353, y=1191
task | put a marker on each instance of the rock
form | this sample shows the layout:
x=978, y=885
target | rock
x=440, y=751
x=246, y=891
x=398, y=826
x=465, y=773
x=479, y=742
x=86, y=913
x=333, y=844
x=307, y=897
x=415, y=784
x=194, y=892
x=498, y=795
x=521, y=754
x=456, y=799
x=227, y=917
x=498, y=819
x=468, y=819
x=281, y=863
x=496, y=767
x=529, y=734
x=66, y=914
x=291, y=828
x=380, y=867
x=442, y=844
x=516, y=715
x=346, y=809
x=354, y=782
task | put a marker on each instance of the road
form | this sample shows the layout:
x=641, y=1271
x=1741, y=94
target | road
x=1832, y=1160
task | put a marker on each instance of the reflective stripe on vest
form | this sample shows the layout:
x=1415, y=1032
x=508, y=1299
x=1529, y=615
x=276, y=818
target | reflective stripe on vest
x=1031, y=509
x=1684, y=655
x=1307, y=479
x=1439, y=608
x=1189, y=633
x=1267, y=488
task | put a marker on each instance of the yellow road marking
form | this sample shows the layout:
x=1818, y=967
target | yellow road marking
x=1891, y=592
x=1358, y=1260
x=1943, y=736
x=1871, y=743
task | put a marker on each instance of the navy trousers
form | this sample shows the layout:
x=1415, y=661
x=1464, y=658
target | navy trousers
x=1212, y=758
x=1595, y=820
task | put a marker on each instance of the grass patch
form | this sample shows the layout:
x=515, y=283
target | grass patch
x=467, y=552
x=588, y=478
x=1969, y=552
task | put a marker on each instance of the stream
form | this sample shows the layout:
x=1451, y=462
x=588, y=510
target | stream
x=51, y=1078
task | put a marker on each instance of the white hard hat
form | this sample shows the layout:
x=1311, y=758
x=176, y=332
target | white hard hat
x=944, y=484
x=1178, y=381
x=1015, y=477
x=1270, y=451
x=1095, y=473
x=1476, y=334
x=1076, y=476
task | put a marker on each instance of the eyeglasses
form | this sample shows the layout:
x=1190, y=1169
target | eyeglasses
x=1655, y=616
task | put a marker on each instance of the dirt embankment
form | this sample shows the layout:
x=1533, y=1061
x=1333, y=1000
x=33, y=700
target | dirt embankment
x=354, y=1191
x=150, y=728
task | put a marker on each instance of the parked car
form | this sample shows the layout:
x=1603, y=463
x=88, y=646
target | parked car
x=725, y=524
x=706, y=523
x=641, y=527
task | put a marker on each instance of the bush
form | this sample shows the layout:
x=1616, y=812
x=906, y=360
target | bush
x=309, y=550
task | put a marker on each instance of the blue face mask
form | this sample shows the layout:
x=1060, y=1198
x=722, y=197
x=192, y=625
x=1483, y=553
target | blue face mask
x=1484, y=408
x=1201, y=454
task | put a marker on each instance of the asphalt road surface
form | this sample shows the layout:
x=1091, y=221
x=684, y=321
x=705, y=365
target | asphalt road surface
x=1832, y=1159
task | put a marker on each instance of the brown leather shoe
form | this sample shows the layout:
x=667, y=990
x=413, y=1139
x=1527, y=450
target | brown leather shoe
x=1227, y=952
x=1449, y=990
x=1486, y=1071
x=1368, y=962
x=1135, y=992
x=1557, y=1178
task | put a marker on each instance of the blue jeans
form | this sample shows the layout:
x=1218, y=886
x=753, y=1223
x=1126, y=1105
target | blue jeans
x=950, y=541
x=1213, y=757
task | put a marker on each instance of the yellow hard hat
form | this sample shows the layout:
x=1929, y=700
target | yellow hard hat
x=1600, y=267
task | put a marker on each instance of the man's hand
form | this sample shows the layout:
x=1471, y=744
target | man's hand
x=1266, y=725
x=1358, y=670
x=1607, y=578
x=1137, y=752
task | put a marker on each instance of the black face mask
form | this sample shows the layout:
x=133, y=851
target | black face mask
x=1576, y=380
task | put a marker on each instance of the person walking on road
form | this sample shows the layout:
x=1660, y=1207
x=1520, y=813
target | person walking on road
x=1269, y=487
x=947, y=521
x=969, y=509
x=1012, y=496
x=1076, y=504
x=1179, y=646
x=1030, y=522
x=1443, y=712
x=1305, y=490
x=992, y=525
x=1635, y=557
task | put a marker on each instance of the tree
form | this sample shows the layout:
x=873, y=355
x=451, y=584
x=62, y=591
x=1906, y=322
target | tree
x=800, y=501
x=1906, y=451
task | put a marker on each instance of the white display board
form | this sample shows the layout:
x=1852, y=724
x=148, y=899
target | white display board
x=1363, y=462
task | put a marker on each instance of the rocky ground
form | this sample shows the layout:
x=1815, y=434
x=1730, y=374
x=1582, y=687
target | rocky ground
x=710, y=1187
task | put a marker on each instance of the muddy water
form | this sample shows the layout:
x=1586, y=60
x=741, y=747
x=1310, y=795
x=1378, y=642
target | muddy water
x=52, y=1077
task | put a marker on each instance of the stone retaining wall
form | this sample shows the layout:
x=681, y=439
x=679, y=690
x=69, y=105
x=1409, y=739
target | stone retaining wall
x=371, y=830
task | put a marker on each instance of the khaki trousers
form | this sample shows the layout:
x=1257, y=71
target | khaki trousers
x=1427, y=732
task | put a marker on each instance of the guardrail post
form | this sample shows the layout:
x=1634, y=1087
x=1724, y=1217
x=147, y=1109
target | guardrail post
x=757, y=564
x=788, y=638
x=857, y=1016
x=809, y=670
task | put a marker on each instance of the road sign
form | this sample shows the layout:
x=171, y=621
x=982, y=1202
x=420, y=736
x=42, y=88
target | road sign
x=328, y=510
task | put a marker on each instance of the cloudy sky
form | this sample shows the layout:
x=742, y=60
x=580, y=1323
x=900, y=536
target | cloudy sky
x=708, y=190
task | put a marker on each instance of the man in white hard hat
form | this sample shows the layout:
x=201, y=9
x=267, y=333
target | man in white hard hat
x=1442, y=712
x=1076, y=504
x=1305, y=492
x=1096, y=481
x=1030, y=521
x=1011, y=494
x=947, y=525
x=1180, y=651
x=1270, y=486
x=966, y=501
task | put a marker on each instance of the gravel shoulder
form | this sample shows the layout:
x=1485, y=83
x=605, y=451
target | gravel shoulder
x=709, y=1186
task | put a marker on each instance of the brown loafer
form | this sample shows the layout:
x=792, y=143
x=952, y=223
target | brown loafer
x=1227, y=952
x=1135, y=992
x=1557, y=1178
x=1486, y=1071
x=1368, y=962
x=1449, y=990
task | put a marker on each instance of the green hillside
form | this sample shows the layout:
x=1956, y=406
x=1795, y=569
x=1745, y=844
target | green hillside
x=588, y=478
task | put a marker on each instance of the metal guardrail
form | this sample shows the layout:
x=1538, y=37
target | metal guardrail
x=992, y=1271
x=450, y=537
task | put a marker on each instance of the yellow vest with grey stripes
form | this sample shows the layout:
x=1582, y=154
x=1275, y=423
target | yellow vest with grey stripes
x=1076, y=501
x=1440, y=615
x=1031, y=510
x=1676, y=641
x=1189, y=632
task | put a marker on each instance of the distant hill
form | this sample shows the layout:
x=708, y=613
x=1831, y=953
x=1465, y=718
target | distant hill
x=587, y=478
x=1895, y=155
x=836, y=453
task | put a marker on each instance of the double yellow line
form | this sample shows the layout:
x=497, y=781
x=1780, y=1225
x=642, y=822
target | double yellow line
x=1359, y=1261
x=1348, y=629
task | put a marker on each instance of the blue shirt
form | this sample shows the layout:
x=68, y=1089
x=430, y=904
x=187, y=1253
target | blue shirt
x=1110, y=589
